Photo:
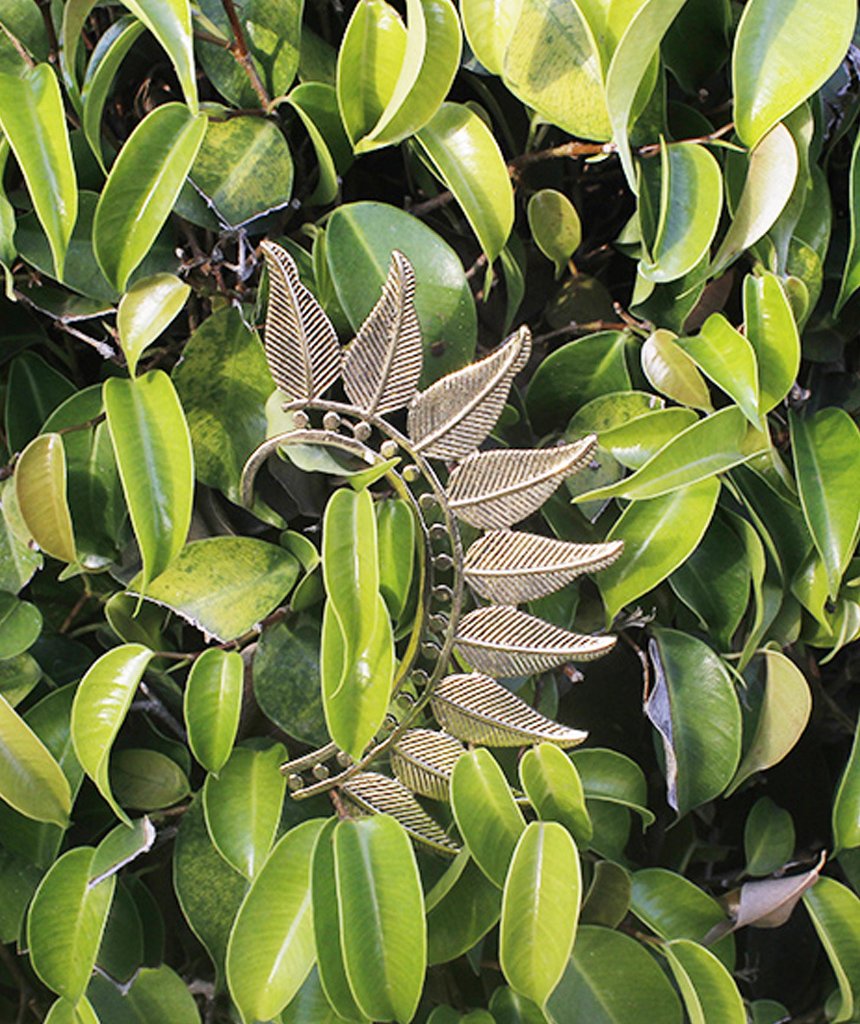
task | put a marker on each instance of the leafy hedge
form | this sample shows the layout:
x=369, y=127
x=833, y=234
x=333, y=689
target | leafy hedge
x=667, y=193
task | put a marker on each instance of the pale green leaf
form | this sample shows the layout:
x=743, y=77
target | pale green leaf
x=555, y=226
x=772, y=331
x=212, y=705
x=554, y=789
x=146, y=310
x=489, y=27
x=835, y=911
x=727, y=357
x=708, y=990
x=170, y=22
x=40, y=490
x=672, y=372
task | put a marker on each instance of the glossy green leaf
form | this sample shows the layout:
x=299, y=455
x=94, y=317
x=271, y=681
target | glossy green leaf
x=101, y=703
x=826, y=448
x=170, y=22
x=153, y=453
x=18, y=677
x=461, y=908
x=851, y=272
x=611, y=777
x=612, y=979
x=710, y=446
x=633, y=443
x=727, y=357
x=694, y=707
x=708, y=990
x=430, y=61
x=691, y=201
x=395, y=528
x=143, y=185
x=540, y=908
x=20, y=625
x=672, y=372
x=64, y=1012
x=212, y=705
x=846, y=805
x=271, y=949
x=608, y=898
x=555, y=226
x=40, y=489
x=359, y=240
x=509, y=1007
x=156, y=994
x=34, y=123
x=659, y=534
x=486, y=813
x=552, y=784
x=119, y=847
x=65, y=923
x=18, y=561
x=772, y=332
x=768, y=837
x=309, y=1005
x=243, y=806
x=224, y=585
x=36, y=390
x=467, y=159
x=835, y=910
x=773, y=67
x=381, y=912
x=313, y=102
x=489, y=27
x=31, y=781
x=145, y=311
x=784, y=712
x=771, y=175
x=147, y=780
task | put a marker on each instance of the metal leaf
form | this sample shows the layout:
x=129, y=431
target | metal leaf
x=492, y=490
x=379, y=794
x=423, y=760
x=301, y=344
x=511, y=567
x=383, y=363
x=504, y=641
x=477, y=709
x=453, y=416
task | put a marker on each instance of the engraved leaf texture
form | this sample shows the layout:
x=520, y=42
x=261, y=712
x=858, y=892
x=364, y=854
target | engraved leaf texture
x=379, y=794
x=382, y=365
x=492, y=490
x=510, y=567
x=453, y=416
x=504, y=641
x=301, y=344
x=477, y=709
x=424, y=759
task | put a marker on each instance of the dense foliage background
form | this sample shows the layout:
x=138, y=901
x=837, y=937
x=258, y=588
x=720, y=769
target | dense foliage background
x=667, y=193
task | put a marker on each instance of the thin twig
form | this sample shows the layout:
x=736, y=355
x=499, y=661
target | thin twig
x=239, y=49
x=102, y=347
x=19, y=47
x=653, y=148
x=156, y=706
x=53, y=43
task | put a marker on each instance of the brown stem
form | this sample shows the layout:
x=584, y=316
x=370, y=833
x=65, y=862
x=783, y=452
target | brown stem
x=19, y=46
x=239, y=49
x=53, y=43
x=653, y=148
x=77, y=607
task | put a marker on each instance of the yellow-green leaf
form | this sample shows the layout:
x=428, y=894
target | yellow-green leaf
x=40, y=489
x=145, y=310
x=212, y=705
x=846, y=806
x=835, y=911
x=727, y=357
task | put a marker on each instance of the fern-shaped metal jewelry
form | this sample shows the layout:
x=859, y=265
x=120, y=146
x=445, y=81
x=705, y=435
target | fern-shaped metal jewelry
x=491, y=490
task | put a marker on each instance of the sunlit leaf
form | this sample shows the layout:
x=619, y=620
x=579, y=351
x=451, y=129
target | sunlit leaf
x=213, y=702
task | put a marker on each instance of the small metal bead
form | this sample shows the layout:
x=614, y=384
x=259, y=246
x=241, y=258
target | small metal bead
x=361, y=431
x=320, y=771
x=391, y=721
x=344, y=759
x=388, y=449
x=331, y=421
x=438, y=623
x=405, y=700
x=295, y=782
x=429, y=650
x=419, y=677
x=411, y=473
x=442, y=562
x=443, y=593
x=427, y=501
x=300, y=420
x=438, y=531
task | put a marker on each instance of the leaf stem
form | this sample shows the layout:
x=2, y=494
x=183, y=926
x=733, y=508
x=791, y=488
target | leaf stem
x=239, y=49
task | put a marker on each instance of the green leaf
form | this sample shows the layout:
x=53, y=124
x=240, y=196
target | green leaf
x=156, y=994
x=674, y=908
x=224, y=585
x=694, y=707
x=20, y=625
x=610, y=777
x=672, y=372
x=40, y=489
x=101, y=703
x=708, y=447
x=271, y=949
x=18, y=677
x=773, y=67
x=34, y=124
x=309, y=1005
x=65, y=923
x=784, y=712
x=360, y=238
x=834, y=910
x=554, y=789
x=430, y=61
x=489, y=27
x=633, y=443
x=461, y=908
x=612, y=979
x=384, y=938
x=555, y=226
x=286, y=671
x=575, y=374
x=153, y=453
x=486, y=813
x=31, y=781
x=142, y=187
x=540, y=908
x=64, y=1012
x=851, y=272
x=659, y=534
x=467, y=159
x=846, y=805
x=708, y=990
x=771, y=176
x=212, y=705
x=772, y=331
x=243, y=806
x=145, y=311
x=395, y=527
x=170, y=22
x=316, y=105
x=691, y=201
x=120, y=847
x=147, y=780
x=608, y=898
x=727, y=357
x=768, y=837
x=826, y=449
